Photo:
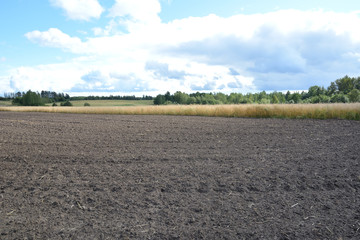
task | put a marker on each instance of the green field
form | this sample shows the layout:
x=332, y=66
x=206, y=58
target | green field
x=109, y=103
x=5, y=103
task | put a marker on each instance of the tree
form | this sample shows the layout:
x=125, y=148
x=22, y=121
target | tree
x=274, y=99
x=293, y=98
x=320, y=99
x=235, y=98
x=261, y=97
x=191, y=100
x=315, y=91
x=249, y=98
x=339, y=98
x=281, y=97
x=345, y=84
x=354, y=95
x=168, y=97
x=209, y=99
x=264, y=101
x=357, y=83
x=221, y=97
x=30, y=99
x=180, y=97
x=159, y=100
x=288, y=96
x=331, y=89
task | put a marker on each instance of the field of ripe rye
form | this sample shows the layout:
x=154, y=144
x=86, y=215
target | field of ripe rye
x=311, y=111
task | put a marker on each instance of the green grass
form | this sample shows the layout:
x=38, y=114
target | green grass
x=5, y=103
x=109, y=103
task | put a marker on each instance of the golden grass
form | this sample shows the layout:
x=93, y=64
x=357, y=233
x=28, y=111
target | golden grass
x=315, y=111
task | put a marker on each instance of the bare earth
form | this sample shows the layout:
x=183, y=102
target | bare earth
x=69, y=176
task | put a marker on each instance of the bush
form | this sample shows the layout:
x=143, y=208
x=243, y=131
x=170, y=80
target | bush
x=86, y=104
x=54, y=104
x=159, y=100
x=66, y=104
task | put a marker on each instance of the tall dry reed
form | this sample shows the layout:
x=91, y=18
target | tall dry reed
x=315, y=111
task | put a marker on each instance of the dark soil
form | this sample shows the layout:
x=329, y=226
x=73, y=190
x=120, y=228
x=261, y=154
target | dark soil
x=69, y=176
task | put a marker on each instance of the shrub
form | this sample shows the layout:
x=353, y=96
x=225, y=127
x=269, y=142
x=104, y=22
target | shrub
x=159, y=99
x=291, y=101
x=66, y=104
x=86, y=104
x=54, y=104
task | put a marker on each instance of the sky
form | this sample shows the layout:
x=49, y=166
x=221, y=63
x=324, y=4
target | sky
x=137, y=47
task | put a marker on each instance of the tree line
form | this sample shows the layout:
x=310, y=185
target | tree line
x=46, y=96
x=343, y=90
x=31, y=98
x=111, y=97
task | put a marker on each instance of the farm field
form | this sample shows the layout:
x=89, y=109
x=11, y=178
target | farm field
x=5, y=103
x=80, y=176
x=110, y=103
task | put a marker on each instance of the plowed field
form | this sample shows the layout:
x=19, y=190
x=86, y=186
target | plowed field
x=70, y=176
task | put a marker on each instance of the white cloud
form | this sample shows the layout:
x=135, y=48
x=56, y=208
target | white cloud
x=79, y=9
x=138, y=12
x=5, y=85
x=286, y=49
x=2, y=59
x=57, y=77
x=111, y=28
x=56, y=38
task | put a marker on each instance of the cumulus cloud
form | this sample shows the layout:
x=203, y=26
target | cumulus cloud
x=138, y=11
x=55, y=38
x=209, y=86
x=161, y=70
x=281, y=50
x=79, y=9
x=57, y=77
x=5, y=85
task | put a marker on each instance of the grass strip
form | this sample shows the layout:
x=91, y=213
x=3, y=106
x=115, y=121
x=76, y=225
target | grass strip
x=312, y=111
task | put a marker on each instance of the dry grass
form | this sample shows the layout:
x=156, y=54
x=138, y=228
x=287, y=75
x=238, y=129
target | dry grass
x=315, y=111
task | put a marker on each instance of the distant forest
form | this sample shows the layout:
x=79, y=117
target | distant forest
x=343, y=90
x=31, y=98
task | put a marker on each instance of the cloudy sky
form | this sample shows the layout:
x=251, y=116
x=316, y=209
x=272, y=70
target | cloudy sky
x=140, y=47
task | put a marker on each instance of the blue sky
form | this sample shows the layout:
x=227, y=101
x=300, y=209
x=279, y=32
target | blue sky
x=152, y=46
